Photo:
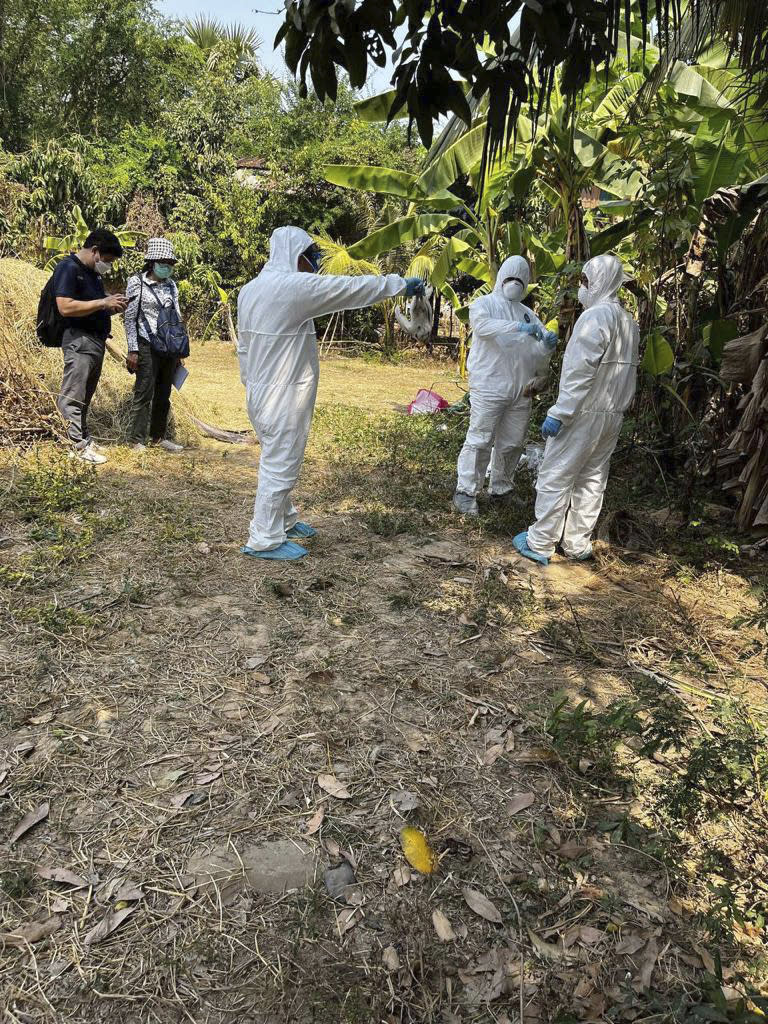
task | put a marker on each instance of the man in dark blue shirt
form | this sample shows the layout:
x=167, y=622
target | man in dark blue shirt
x=86, y=310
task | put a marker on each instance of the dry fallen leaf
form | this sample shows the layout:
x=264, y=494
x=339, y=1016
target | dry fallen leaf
x=128, y=892
x=401, y=876
x=643, y=982
x=332, y=847
x=390, y=959
x=493, y=753
x=331, y=785
x=571, y=851
x=63, y=875
x=405, y=800
x=548, y=950
x=416, y=741
x=707, y=959
x=482, y=905
x=29, y=820
x=417, y=850
x=589, y=936
x=33, y=931
x=519, y=802
x=631, y=944
x=315, y=822
x=348, y=919
x=180, y=799
x=271, y=724
x=107, y=925
x=443, y=926
x=43, y=719
x=536, y=755
x=206, y=777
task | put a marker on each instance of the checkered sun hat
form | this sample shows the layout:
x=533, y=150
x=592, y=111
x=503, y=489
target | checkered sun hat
x=160, y=249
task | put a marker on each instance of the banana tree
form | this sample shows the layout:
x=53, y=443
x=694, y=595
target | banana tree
x=205, y=279
x=335, y=259
x=62, y=245
x=460, y=229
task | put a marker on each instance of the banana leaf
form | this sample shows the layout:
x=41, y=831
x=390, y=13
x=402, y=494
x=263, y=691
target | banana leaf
x=445, y=264
x=407, y=229
x=610, y=237
x=371, y=179
x=658, y=357
x=378, y=108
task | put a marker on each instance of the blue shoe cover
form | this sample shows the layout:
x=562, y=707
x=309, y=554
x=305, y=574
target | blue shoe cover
x=287, y=552
x=520, y=543
x=585, y=556
x=299, y=530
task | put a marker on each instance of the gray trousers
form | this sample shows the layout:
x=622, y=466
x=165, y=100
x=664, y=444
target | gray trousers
x=151, y=394
x=83, y=360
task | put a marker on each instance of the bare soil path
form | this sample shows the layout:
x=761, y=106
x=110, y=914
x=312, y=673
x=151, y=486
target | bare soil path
x=203, y=736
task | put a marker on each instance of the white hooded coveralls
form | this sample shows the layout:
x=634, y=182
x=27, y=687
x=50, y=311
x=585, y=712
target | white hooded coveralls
x=502, y=361
x=597, y=385
x=277, y=349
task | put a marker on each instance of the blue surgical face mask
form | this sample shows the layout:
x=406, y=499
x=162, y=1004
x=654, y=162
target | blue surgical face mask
x=163, y=271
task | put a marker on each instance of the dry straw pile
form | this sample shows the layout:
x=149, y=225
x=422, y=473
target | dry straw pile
x=30, y=375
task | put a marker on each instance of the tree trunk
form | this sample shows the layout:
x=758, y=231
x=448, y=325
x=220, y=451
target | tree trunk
x=230, y=325
x=576, y=251
x=748, y=444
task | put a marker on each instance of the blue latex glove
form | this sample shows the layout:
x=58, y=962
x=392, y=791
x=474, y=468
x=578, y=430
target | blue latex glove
x=413, y=286
x=550, y=427
x=550, y=340
x=522, y=328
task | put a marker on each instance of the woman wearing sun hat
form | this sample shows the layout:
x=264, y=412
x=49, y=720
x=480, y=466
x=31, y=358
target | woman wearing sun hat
x=157, y=342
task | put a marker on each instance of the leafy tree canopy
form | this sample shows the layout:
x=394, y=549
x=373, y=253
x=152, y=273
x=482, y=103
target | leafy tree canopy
x=500, y=48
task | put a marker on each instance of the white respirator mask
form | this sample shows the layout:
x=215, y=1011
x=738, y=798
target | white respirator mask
x=584, y=296
x=513, y=290
x=102, y=268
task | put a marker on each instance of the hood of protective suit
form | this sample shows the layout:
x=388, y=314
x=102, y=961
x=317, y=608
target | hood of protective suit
x=285, y=247
x=515, y=266
x=605, y=275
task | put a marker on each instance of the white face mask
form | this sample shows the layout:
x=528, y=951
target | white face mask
x=102, y=268
x=584, y=296
x=513, y=290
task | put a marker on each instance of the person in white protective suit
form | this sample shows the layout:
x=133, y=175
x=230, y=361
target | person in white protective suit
x=597, y=385
x=510, y=349
x=277, y=349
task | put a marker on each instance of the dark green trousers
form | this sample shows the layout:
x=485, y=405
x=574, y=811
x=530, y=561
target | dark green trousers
x=151, y=394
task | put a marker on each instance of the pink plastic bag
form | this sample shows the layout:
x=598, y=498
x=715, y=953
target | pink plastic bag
x=427, y=401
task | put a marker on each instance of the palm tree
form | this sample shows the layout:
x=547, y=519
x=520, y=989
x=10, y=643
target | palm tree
x=213, y=38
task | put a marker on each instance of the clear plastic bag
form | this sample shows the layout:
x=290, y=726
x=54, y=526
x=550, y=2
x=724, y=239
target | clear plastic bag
x=531, y=459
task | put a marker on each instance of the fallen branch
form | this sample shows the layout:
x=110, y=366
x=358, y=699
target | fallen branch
x=206, y=429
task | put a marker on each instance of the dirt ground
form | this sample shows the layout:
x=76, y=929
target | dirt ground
x=172, y=710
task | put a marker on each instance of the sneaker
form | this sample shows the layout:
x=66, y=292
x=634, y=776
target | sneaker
x=169, y=446
x=138, y=447
x=465, y=504
x=89, y=454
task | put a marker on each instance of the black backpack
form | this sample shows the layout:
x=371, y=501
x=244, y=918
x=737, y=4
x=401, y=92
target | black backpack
x=50, y=323
x=171, y=338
